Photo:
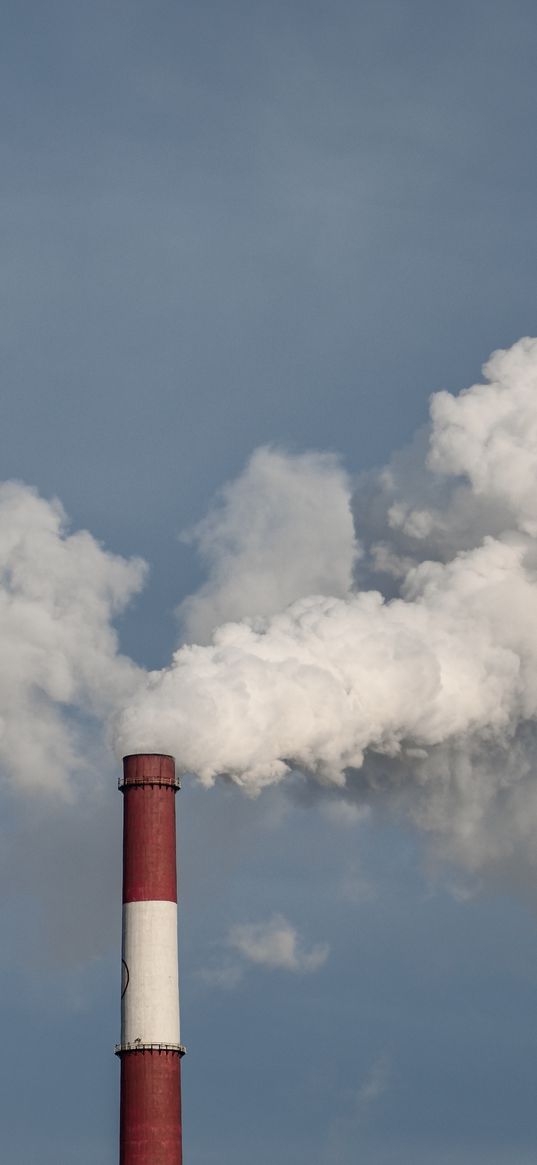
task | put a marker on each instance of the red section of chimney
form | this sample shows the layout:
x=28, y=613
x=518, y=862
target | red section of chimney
x=149, y=768
x=150, y=1108
x=149, y=866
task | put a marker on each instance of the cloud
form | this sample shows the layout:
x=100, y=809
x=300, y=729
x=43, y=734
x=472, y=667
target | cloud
x=276, y=944
x=375, y=1083
x=358, y=1107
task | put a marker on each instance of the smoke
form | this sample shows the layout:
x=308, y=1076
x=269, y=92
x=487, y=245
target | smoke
x=281, y=530
x=415, y=689
x=411, y=686
x=60, y=668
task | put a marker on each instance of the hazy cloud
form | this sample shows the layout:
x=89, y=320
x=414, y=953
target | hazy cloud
x=277, y=945
x=375, y=1083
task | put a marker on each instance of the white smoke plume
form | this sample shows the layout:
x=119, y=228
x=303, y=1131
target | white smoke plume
x=426, y=699
x=281, y=530
x=58, y=653
x=413, y=686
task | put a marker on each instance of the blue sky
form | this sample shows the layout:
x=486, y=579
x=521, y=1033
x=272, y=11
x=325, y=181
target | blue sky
x=226, y=226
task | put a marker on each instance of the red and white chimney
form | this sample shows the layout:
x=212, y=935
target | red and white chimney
x=150, y=1050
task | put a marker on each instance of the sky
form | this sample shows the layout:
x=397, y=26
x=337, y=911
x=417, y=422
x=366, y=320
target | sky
x=226, y=227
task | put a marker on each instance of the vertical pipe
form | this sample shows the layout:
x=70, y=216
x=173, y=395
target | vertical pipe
x=150, y=1050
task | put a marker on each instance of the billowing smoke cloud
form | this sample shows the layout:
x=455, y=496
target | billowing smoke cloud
x=412, y=685
x=58, y=595
x=281, y=530
x=426, y=699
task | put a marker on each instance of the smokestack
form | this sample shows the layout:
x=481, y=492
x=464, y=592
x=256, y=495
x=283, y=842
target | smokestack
x=150, y=1050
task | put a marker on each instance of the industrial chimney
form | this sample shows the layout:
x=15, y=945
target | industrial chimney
x=150, y=1050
